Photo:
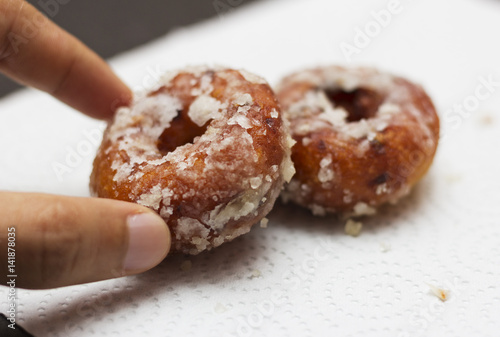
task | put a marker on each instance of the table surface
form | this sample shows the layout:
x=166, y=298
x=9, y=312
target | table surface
x=301, y=276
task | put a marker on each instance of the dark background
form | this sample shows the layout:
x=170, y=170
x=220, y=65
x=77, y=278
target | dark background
x=111, y=26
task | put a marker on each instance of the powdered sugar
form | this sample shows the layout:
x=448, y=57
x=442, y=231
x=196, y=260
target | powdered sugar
x=153, y=114
x=225, y=164
x=336, y=117
x=255, y=182
x=188, y=228
x=381, y=189
x=326, y=173
x=240, y=120
x=319, y=107
x=362, y=208
x=252, y=77
x=236, y=209
x=287, y=166
x=205, y=108
x=151, y=199
x=354, y=114
x=316, y=103
x=205, y=87
x=344, y=79
x=243, y=99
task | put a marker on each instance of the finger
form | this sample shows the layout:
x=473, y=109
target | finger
x=36, y=52
x=62, y=241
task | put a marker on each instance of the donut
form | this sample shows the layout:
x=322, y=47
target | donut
x=363, y=138
x=207, y=150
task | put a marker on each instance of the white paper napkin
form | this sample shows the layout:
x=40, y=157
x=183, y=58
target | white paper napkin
x=301, y=276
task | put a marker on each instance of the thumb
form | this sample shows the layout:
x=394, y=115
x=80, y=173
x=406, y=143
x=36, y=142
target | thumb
x=58, y=241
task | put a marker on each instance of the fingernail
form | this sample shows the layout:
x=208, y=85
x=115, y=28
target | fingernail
x=149, y=242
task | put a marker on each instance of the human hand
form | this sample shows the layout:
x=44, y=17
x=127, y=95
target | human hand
x=58, y=240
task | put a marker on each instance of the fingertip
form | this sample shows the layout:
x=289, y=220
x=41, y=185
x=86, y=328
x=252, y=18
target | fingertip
x=96, y=95
x=148, y=244
x=64, y=241
x=122, y=100
x=58, y=63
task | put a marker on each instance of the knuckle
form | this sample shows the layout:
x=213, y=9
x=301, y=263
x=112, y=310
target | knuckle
x=60, y=243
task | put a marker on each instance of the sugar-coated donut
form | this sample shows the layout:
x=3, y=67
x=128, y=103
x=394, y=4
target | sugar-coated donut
x=363, y=137
x=208, y=150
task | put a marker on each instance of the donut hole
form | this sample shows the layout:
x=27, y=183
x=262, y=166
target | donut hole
x=360, y=103
x=182, y=130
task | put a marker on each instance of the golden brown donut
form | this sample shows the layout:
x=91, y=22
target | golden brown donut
x=363, y=138
x=208, y=151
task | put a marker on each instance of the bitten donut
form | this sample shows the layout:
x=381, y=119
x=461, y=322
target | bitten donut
x=363, y=137
x=208, y=150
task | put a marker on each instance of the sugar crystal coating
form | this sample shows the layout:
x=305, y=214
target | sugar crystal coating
x=364, y=138
x=207, y=149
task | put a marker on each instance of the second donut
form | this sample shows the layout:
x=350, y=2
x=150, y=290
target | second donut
x=363, y=137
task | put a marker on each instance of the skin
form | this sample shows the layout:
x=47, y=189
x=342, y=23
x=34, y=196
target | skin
x=63, y=240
